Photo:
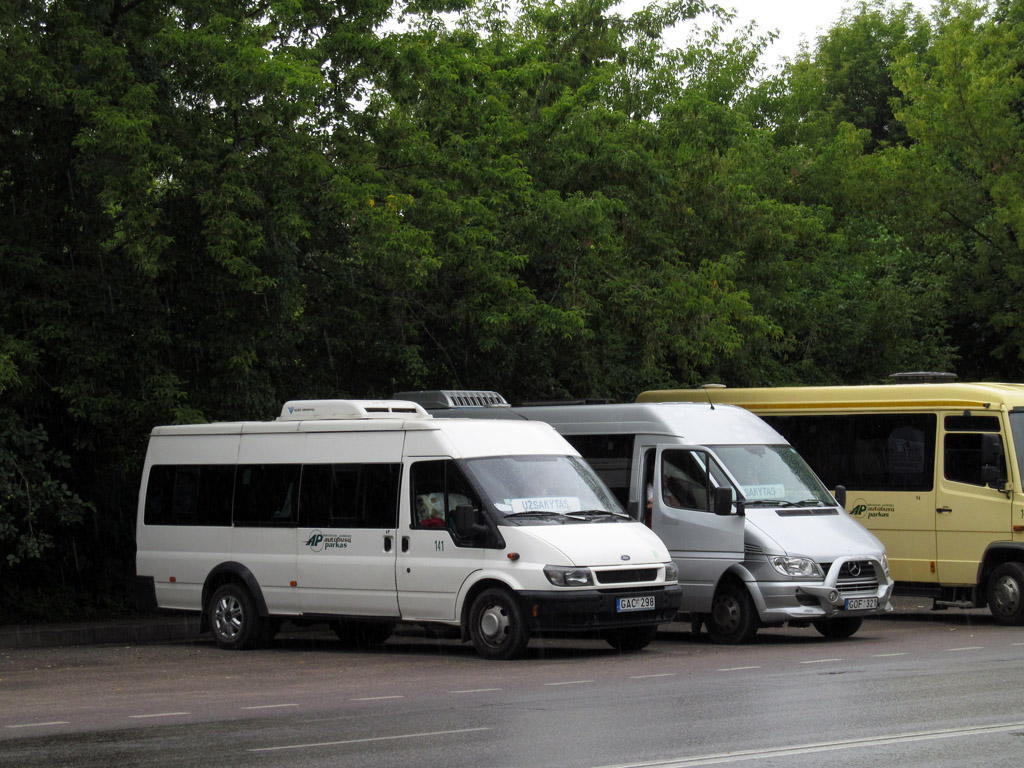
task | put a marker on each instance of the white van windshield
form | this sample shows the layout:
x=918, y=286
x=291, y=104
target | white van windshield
x=773, y=475
x=543, y=486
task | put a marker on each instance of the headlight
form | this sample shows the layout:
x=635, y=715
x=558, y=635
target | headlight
x=564, y=576
x=671, y=572
x=796, y=567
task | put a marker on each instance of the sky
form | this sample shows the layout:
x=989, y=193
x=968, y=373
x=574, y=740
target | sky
x=794, y=20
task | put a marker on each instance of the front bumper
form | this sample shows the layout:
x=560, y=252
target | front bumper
x=593, y=609
x=782, y=601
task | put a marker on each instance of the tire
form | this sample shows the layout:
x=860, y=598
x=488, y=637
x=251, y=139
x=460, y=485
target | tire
x=631, y=638
x=733, y=619
x=838, y=629
x=1006, y=594
x=497, y=625
x=362, y=634
x=235, y=620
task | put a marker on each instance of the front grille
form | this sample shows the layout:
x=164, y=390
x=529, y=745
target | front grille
x=857, y=576
x=627, y=575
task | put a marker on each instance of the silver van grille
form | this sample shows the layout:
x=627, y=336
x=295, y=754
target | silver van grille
x=857, y=576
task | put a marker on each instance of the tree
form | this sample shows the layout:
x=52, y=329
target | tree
x=963, y=110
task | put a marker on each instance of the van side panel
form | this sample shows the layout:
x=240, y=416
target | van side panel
x=347, y=569
x=168, y=552
x=268, y=549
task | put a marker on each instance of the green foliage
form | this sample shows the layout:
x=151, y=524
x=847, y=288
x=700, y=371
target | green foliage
x=964, y=112
x=211, y=207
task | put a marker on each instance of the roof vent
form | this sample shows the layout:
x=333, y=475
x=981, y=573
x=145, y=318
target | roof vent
x=455, y=398
x=319, y=410
x=923, y=377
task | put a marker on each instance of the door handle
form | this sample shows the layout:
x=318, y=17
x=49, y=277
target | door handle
x=405, y=543
x=387, y=543
x=940, y=510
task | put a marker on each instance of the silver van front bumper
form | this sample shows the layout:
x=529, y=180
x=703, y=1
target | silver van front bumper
x=853, y=586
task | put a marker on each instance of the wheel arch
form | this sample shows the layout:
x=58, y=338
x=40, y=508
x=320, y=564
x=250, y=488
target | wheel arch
x=996, y=554
x=739, y=574
x=474, y=589
x=230, y=572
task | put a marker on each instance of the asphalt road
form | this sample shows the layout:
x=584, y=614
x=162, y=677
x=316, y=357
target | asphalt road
x=919, y=688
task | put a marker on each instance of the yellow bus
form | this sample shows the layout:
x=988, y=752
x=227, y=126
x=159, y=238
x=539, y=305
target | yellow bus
x=931, y=466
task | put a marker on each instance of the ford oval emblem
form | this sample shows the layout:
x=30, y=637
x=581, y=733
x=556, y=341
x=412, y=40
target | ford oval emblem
x=625, y=557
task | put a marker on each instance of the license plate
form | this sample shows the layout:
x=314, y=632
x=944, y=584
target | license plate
x=861, y=603
x=645, y=603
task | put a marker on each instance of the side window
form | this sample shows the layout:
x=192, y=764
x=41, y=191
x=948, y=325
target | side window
x=611, y=457
x=963, y=458
x=267, y=494
x=438, y=487
x=189, y=495
x=685, y=480
x=349, y=495
x=865, y=452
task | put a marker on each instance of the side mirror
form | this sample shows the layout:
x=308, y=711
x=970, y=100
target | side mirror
x=633, y=509
x=991, y=458
x=467, y=522
x=840, y=495
x=991, y=449
x=723, y=502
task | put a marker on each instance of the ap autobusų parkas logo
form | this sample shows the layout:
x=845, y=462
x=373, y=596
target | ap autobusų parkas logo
x=319, y=541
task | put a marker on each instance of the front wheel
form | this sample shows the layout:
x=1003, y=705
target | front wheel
x=631, y=638
x=235, y=620
x=1006, y=594
x=838, y=629
x=497, y=625
x=733, y=619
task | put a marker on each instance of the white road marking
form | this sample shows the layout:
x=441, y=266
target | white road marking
x=735, y=669
x=571, y=682
x=159, y=714
x=967, y=648
x=827, y=746
x=887, y=655
x=478, y=690
x=38, y=725
x=819, y=661
x=377, y=698
x=644, y=677
x=366, y=740
x=271, y=706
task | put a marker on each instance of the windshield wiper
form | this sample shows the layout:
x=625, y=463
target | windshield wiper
x=604, y=513
x=543, y=513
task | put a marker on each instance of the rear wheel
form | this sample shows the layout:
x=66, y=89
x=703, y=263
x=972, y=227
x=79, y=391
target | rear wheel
x=1006, y=594
x=235, y=620
x=839, y=629
x=497, y=625
x=631, y=638
x=733, y=619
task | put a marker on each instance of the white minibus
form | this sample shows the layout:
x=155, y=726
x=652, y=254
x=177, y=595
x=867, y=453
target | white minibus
x=364, y=514
x=757, y=538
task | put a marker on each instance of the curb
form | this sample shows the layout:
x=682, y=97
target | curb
x=175, y=628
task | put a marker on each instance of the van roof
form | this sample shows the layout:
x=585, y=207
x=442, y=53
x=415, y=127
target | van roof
x=872, y=396
x=696, y=423
x=320, y=415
